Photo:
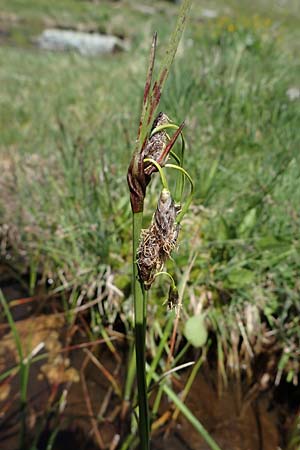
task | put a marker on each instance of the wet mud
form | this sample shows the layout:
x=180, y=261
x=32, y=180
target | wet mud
x=238, y=417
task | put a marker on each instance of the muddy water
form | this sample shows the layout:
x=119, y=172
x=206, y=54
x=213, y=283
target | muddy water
x=259, y=423
x=255, y=426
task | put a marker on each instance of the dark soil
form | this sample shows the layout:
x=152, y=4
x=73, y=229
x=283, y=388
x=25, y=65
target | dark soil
x=241, y=417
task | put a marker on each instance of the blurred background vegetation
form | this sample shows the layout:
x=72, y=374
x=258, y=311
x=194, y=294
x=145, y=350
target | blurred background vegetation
x=68, y=126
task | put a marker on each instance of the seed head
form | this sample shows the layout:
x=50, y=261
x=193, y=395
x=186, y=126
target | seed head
x=139, y=172
x=159, y=240
x=157, y=143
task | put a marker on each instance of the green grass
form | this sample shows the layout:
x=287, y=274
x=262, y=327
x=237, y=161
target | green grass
x=68, y=126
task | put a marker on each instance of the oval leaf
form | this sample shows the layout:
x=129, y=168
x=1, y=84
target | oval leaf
x=195, y=330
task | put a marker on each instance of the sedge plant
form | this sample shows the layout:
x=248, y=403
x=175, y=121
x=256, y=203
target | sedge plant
x=153, y=147
x=152, y=247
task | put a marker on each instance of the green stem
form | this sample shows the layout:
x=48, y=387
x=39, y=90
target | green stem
x=131, y=371
x=160, y=170
x=24, y=366
x=140, y=336
x=190, y=197
x=168, y=274
x=180, y=180
x=176, y=157
x=159, y=350
x=179, y=187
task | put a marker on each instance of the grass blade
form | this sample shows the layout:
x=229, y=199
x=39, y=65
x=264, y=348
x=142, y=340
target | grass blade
x=188, y=415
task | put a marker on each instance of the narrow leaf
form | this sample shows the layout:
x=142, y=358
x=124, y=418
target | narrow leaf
x=148, y=83
x=195, y=330
x=172, y=47
x=152, y=100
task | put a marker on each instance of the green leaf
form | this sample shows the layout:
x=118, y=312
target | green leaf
x=269, y=242
x=195, y=330
x=207, y=181
x=154, y=88
x=239, y=277
x=247, y=224
x=222, y=232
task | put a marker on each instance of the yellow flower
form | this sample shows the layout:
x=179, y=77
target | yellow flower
x=267, y=22
x=231, y=28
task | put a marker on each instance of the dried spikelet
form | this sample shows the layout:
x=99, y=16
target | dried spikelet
x=158, y=241
x=157, y=143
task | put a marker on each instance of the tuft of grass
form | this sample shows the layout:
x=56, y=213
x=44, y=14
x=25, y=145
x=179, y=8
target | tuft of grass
x=24, y=367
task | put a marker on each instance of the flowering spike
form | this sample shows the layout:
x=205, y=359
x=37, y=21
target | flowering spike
x=156, y=147
x=158, y=241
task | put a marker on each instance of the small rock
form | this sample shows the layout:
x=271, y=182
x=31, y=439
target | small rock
x=83, y=43
x=293, y=93
x=209, y=13
x=145, y=9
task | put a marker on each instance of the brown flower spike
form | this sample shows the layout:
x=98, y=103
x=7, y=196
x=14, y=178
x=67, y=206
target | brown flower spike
x=156, y=144
x=157, y=147
x=158, y=241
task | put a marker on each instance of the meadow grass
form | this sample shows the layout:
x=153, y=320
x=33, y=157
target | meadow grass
x=68, y=126
x=67, y=143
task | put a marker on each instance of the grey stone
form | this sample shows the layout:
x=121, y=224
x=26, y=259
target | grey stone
x=293, y=93
x=83, y=43
x=209, y=13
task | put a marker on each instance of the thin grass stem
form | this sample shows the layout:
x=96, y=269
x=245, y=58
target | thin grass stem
x=188, y=385
x=160, y=170
x=189, y=415
x=24, y=366
x=190, y=197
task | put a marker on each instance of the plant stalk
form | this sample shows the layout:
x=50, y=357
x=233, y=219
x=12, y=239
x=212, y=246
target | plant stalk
x=140, y=306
